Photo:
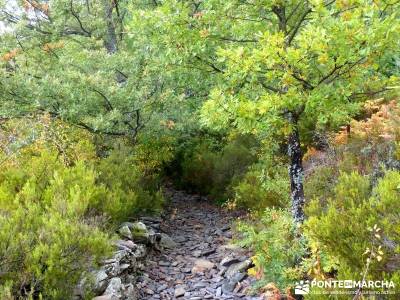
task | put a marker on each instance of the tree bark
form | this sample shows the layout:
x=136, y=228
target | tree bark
x=296, y=174
x=110, y=42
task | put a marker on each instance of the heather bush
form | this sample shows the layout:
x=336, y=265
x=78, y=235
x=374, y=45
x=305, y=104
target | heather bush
x=53, y=189
x=321, y=183
x=354, y=193
x=360, y=221
x=371, y=144
x=127, y=195
x=367, y=146
x=41, y=214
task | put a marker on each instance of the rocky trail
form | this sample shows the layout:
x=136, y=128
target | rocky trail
x=201, y=262
x=186, y=254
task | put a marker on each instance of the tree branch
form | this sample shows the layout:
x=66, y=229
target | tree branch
x=214, y=67
x=296, y=28
x=97, y=131
x=231, y=39
x=270, y=88
x=76, y=16
x=109, y=106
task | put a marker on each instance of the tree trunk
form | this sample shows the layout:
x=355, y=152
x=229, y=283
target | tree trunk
x=110, y=42
x=296, y=174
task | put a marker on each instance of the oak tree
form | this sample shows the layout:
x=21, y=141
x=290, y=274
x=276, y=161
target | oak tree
x=284, y=69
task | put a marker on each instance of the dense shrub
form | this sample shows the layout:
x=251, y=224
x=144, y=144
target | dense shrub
x=265, y=184
x=321, y=184
x=234, y=170
x=151, y=155
x=53, y=189
x=44, y=206
x=198, y=169
x=367, y=147
x=277, y=247
x=371, y=144
x=212, y=169
x=357, y=191
x=359, y=222
x=127, y=195
x=344, y=228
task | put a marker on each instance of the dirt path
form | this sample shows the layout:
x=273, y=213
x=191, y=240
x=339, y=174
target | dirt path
x=203, y=265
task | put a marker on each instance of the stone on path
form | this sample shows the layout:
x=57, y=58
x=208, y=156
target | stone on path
x=208, y=252
x=139, y=231
x=100, y=281
x=122, y=245
x=106, y=297
x=114, y=288
x=239, y=267
x=218, y=292
x=179, y=292
x=125, y=232
x=201, y=265
x=167, y=242
x=149, y=291
x=196, y=253
x=228, y=286
x=229, y=260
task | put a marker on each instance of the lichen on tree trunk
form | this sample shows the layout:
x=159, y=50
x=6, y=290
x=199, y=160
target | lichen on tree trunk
x=296, y=174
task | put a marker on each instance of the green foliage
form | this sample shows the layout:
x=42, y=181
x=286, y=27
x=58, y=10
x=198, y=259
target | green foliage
x=213, y=169
x=350, y=193
x=353, y=209
x=198, y=168
x=234, y=170
x=5, y=291
x=342, y=229
x=54, y=189
x=41, y=214
x=308, y=64
x=78, y=61
x=321, y=183
x=127, y=195
x=278, y=249
x=264, y=185
x=369, y=148
x=273, y=67
x=151, y=155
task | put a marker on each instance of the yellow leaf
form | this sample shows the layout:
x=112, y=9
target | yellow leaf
x=323, y=58
x=204, y=33
x=252, y=272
